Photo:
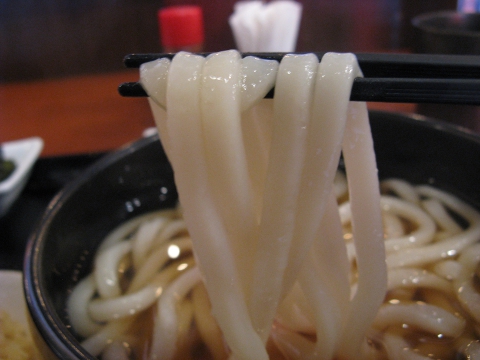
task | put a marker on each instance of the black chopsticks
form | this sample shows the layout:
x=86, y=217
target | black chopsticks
x=399, y=78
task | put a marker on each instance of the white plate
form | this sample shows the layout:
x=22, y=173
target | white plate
x=12, y=299
x=24, y=153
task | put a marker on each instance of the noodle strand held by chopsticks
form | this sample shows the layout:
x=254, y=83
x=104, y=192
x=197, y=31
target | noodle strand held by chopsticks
x=154, y=79
x=213, y=252
x=231, y=217
x=227, y=168
x=324, y=141
x=206, y=324
x=257, y=136
x=293, y=96
x=363, y=186
x=328, y=292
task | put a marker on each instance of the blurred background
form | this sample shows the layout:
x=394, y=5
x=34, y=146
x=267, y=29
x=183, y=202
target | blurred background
x=61, y=64
x=42, y=39
x=61, y=60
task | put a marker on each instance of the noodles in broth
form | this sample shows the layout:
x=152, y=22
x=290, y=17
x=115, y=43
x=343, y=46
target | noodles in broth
x=283, y=257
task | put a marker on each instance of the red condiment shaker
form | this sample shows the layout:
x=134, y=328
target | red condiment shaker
x=181, y=28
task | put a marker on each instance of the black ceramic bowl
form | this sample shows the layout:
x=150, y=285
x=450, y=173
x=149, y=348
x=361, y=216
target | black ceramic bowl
x=138, y=178
x=447, y=32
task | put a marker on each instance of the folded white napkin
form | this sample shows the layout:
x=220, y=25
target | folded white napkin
x=266, y=27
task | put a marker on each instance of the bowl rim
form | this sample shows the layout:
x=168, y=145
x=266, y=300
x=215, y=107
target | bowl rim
x=418, y=22
x=60, y=340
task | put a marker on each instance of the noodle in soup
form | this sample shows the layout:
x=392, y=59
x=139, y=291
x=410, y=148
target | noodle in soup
x=272, y=252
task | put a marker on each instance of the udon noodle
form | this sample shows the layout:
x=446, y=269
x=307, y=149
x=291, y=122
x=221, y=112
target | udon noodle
x=273, y=253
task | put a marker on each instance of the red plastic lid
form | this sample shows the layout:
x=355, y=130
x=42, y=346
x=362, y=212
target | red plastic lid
x=181, y=26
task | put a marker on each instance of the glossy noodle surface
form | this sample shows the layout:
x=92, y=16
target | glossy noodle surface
x=273, y=253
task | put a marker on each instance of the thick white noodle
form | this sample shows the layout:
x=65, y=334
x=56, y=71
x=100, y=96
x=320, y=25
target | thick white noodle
x=402, y=189
x=293, y=345
x=472, y=350
x=329, y=315
x=293, y=96
x=464, y=285
x=438, y=212
x=295, y=313
x=124, y=306
x=154, y=79
x=96, y=343
x=220, y=128
x=367, y=226
x=258, y=76
x=144, y=238
x=324, y=141
x=468, y=295
x=213, y=253
x=448, y=269
x=115, y=351
x=398, y=348
x=157, y=260
x=330, y=236
x=128, y=304
x=423, y=233
x=416, y=278
x=166, y=325
x=393, y=226
x=206, y=324
x=257, y=136
x=77, y=307
x=123, y=231
x=328, y=292
x=226, y=161
x=446, y=248
x=105, y=269
x=183, y=346
x=425, y=317
x=171, y=229
x=470, y=257
x=160, y=117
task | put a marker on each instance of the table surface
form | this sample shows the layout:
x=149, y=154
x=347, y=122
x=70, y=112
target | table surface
x=73, y=115
x=83, y=114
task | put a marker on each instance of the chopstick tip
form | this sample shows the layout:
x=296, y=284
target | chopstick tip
x=131, y=89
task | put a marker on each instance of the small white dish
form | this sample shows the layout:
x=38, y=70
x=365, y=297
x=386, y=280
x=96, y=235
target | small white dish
x=24, y=153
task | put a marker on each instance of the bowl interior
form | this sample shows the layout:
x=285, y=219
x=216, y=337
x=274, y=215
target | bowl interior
x=138, y=179
x=122, y=185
